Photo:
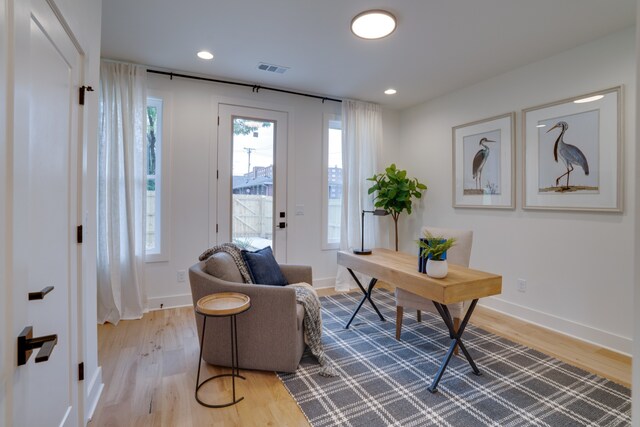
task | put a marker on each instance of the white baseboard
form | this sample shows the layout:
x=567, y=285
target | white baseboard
x=169, y=301
x=573, y=329
x=94, y=391
x=328, y=282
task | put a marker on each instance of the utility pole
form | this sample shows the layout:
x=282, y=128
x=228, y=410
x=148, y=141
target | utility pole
x=249, y=151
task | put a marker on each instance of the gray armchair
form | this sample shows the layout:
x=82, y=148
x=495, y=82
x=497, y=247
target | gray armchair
x=270, y=334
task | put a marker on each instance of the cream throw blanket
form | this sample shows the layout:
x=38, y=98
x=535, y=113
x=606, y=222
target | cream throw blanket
x=312, y=325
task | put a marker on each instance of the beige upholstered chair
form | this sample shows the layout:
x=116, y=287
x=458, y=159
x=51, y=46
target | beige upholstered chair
x=459, y=254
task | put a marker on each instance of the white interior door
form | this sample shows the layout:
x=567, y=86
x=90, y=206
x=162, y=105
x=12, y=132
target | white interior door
x=252, y=174
x=45, y=189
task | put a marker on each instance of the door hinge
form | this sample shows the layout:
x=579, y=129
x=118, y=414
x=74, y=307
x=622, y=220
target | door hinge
x=217, y=174
x=79, y=234
x=82, y=90
x=216, y=228
x=81, y=371
x=218, y=120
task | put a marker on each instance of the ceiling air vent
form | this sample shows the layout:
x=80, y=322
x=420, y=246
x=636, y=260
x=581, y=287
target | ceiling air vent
x=272, y=68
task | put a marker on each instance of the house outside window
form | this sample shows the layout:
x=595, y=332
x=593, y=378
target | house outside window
x=332, y=181
x=157, y=199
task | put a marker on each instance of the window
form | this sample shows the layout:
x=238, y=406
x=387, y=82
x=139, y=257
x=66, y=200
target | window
x=332, y=181
x=157, y=200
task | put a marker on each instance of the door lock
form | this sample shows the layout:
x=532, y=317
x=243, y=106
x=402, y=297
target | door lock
x=282, y=225
x=26, y=343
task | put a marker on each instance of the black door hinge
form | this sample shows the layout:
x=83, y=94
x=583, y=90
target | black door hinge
x=79, y=234
x=217, y=174
x=216, y=228
x=81, y=371
x=82, y=90
x=218, y=120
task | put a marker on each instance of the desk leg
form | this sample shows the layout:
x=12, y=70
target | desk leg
x=367, y=296
x=456, y=336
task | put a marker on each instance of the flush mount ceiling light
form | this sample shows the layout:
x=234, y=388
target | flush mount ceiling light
x=390, y=91
x=373, y=24
x=203, y=54
x=589, y=99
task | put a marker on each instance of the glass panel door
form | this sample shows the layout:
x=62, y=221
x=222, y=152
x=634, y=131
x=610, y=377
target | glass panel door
x=251, y=199
x=252, y=182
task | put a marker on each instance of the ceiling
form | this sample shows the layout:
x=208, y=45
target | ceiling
x=439, y=45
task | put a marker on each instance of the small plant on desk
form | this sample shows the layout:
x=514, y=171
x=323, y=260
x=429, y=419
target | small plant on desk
x=434, y=250
x=434, y=247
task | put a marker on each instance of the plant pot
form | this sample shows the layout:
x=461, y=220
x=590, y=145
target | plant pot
x=437, y=269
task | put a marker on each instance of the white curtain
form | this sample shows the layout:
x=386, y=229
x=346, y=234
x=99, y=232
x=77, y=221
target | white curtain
x=121, y=192
x=361, y=144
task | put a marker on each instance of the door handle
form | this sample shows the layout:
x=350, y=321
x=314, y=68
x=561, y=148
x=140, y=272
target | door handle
x=41, y=294
x=26, y=344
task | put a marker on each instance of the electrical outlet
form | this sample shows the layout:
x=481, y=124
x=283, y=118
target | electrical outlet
x=522, y=285
x=182, y=276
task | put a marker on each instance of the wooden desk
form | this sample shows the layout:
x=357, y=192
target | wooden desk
x=400, y=269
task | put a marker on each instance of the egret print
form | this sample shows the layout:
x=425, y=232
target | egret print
x=479, y=161
x=482, y=163
x=569, y=153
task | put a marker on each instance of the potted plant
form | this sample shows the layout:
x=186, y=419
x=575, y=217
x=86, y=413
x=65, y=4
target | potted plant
x=395, y=192
x=434, y=249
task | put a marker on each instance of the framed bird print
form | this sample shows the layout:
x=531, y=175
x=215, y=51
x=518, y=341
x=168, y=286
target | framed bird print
x=483, y=163
x=573, y=153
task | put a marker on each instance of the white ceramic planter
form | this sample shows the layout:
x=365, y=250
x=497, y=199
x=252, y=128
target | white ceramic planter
x=437, y=269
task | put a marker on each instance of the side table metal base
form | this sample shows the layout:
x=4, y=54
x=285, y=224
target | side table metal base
x=235, y=371
x=224, y=405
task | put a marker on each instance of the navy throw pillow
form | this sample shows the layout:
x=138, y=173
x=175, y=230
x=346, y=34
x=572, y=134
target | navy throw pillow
x=263, y=267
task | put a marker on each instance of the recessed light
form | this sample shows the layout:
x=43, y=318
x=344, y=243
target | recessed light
x=541, y=126
x=203, y=54
x=589, y=99
x=373, y=24
x=390, y=91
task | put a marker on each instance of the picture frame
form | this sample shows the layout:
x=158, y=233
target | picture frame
x=572, y=153
x=484, y=163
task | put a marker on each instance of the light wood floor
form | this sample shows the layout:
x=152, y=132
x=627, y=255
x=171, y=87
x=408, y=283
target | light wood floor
x=149, y=370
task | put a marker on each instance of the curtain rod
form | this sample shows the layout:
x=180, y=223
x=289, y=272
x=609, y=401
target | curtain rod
x=254, y=88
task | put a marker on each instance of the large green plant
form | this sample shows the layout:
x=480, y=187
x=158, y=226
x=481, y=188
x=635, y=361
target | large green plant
x=395, y=192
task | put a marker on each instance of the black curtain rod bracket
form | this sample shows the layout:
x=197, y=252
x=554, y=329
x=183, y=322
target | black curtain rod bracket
x=254, y=88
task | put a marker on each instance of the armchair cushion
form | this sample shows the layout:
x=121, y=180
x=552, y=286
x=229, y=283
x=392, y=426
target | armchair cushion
x=264, y=268
x=222, y=266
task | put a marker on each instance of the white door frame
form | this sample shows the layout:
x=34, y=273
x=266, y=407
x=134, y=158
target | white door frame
x=14, y=218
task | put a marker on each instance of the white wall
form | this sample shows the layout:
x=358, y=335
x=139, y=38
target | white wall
x=193, y=136
x=554, y=251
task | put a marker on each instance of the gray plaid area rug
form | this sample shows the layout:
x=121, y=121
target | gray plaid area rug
x=383, y=382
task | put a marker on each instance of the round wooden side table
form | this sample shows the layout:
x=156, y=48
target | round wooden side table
x=223, y=304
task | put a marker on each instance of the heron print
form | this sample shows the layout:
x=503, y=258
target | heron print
x=571, y=144
x=482, y=163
